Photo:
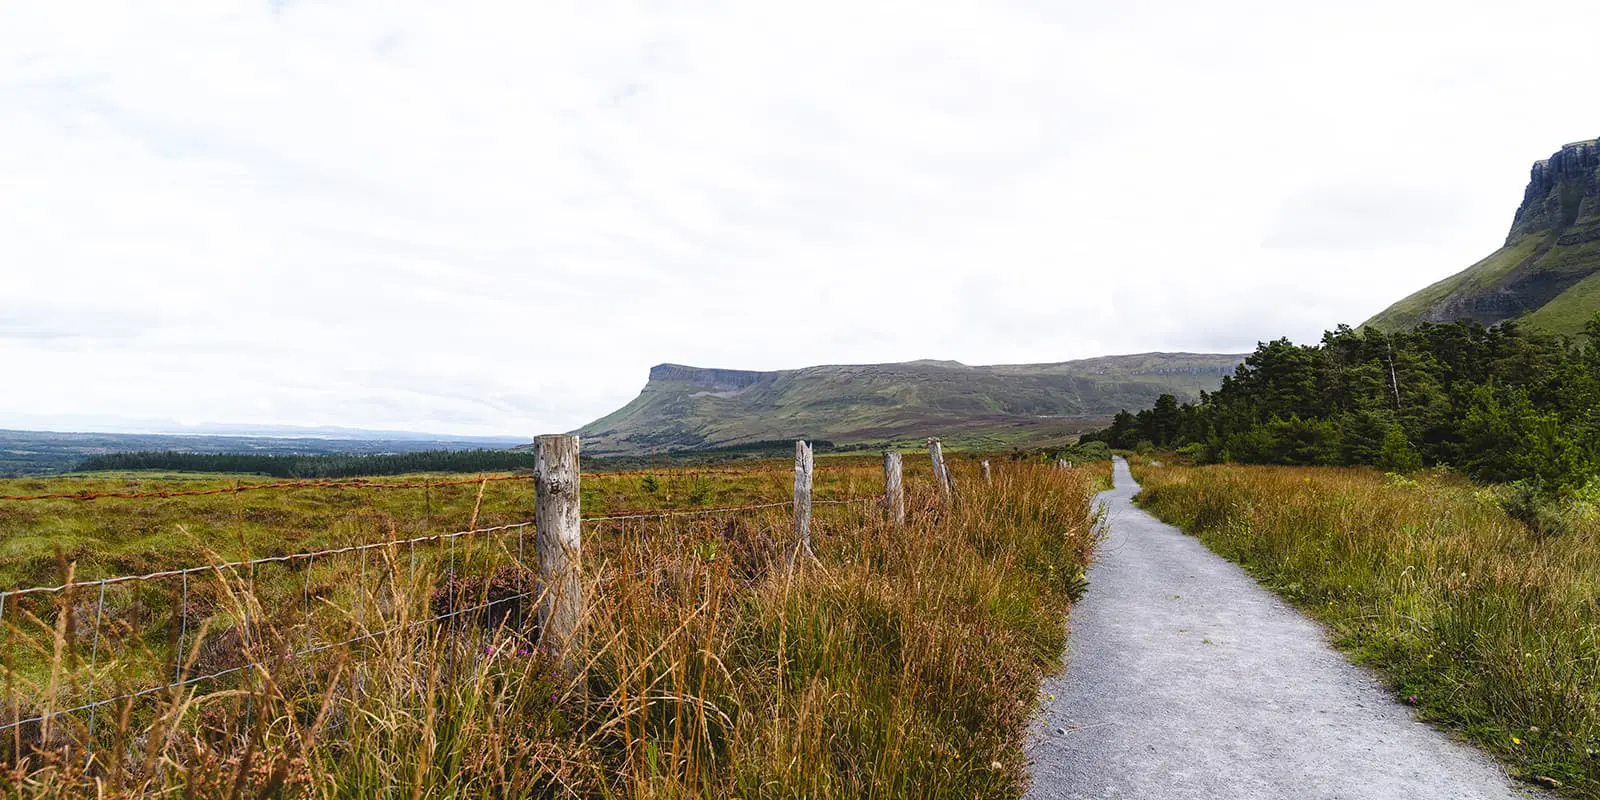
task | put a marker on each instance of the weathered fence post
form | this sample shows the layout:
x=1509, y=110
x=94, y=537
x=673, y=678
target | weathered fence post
x=556, y=519
x=1062, y=463
x=802, y=500
x=940, y=473
x=894, y=488
x=983, y=470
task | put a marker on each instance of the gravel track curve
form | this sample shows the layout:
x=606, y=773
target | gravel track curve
x=1185, y=679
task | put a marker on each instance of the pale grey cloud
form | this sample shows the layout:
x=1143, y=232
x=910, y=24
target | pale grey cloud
x=1361, y=217
x=493, y=216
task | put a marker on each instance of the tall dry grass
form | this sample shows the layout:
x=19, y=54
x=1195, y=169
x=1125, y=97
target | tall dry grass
x=1489, y=627
x=904, y=664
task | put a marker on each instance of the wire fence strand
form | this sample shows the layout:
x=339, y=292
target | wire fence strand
x=366, y=483
x=182, y=681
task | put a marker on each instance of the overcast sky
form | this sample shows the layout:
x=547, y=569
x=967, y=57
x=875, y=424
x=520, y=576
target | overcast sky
x=478, y=217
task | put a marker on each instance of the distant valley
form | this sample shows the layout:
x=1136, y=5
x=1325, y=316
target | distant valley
x=45, y=452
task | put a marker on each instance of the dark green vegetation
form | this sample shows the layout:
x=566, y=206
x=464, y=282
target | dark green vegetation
x=985, y=408
x=904, y=665
x=319, y=466
x=1500, y=403
x=351, y=466
x=1548, y=273
x=46, y=452
x=1488, y=627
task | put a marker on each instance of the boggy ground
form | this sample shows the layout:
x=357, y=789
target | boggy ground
x=903, y=663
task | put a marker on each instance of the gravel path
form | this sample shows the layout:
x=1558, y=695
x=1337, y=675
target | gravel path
x=1185, y=679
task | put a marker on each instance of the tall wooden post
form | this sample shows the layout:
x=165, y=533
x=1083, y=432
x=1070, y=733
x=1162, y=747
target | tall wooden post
x=802, y=500
x=556, y=519
x=894, y=494
x=940, y=473
x=983, y=469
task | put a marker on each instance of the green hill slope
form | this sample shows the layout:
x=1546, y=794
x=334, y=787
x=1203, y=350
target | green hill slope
x=1548, y=273
x=999, y=406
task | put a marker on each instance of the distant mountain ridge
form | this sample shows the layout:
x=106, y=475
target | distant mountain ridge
x=683, y=407
x=1547, y=276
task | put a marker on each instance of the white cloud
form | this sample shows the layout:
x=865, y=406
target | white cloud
x=493, y=217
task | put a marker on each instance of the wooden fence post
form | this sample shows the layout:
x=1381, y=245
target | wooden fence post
x=802, y=500
x=983, y=468
x=556, y=520
x=894, y=496
x=940, y=473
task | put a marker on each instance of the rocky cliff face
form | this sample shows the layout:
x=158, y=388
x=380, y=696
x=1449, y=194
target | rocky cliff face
x=1563, y=197
x=1547, y=275
x=714, y=380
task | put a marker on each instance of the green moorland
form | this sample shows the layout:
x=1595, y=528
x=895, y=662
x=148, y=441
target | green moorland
x=903, y=663
x=361, y=465
x=115, y=536
x=975, y=407
x=1490, y=627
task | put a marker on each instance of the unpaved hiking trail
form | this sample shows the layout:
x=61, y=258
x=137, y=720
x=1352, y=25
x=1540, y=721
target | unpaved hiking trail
x=1185, y=679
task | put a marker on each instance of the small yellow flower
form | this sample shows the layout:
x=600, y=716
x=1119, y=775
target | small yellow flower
x=1515, y=740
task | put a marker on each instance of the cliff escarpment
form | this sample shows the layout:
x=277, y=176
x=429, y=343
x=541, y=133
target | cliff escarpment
x=1547, y=275
x=683, y=408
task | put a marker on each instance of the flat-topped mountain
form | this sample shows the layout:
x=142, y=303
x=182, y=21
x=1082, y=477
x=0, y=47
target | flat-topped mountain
x=1547, y=275
x=996, y=406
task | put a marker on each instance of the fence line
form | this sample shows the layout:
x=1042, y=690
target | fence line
x=551, y=573
x=234, y=565
x=180, y=681
x=367, y=483
x=333, y=551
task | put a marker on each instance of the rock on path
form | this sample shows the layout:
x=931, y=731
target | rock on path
x=1185, y=679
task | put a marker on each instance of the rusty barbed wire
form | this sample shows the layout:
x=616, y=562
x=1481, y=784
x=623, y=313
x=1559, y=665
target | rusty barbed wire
x=235, y=565
x=628, y=514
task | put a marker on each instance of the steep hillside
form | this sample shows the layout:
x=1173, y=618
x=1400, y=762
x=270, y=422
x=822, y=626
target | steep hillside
x=1548, y=273
x=688, y=407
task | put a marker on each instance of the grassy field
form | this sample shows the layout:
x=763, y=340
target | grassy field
x=113, y=536
x=904, y=664
x=1491, y=630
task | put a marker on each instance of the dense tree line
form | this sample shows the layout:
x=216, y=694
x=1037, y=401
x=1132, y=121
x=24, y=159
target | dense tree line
x=316, y=466
x=1502, y=403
